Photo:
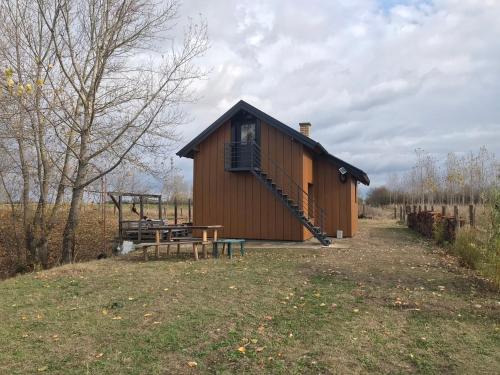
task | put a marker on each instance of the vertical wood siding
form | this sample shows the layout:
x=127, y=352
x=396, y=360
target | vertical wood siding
x=246, y=209
x=336, y=198
x=238, y=201
x=307, y=178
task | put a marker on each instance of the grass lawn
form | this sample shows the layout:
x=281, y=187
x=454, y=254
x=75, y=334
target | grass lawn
x=389, y=303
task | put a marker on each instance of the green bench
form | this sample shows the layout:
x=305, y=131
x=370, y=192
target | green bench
x=229, y=243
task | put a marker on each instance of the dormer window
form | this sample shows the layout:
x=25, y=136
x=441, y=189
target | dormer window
x=248, y=132
x=245, y=129
x=245, y=133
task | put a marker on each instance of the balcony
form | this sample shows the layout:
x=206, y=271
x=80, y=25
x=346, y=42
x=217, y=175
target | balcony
x=240, y=157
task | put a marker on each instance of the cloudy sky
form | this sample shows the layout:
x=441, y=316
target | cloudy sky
x=377, y=79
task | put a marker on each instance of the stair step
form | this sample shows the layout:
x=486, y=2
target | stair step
x=306, y=222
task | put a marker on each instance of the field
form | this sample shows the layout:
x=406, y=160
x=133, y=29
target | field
x=95, y=234
x=386, y=301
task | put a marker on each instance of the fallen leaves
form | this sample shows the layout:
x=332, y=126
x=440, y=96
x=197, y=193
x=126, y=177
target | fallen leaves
x=192, y=364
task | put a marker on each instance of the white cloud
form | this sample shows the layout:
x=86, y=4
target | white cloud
x=376, y=78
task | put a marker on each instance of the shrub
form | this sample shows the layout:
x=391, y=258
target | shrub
x=468, y=248
x=439, y=232
x=493, y=235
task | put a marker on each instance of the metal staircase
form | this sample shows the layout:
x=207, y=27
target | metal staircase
x=249, y=157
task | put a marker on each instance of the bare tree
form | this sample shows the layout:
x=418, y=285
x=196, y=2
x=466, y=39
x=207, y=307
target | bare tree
x=24, y=131
x=89, y=84
x=122, y=100
x=174, y=186
x=451, y=180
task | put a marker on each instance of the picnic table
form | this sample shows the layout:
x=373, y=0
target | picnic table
x=170, y=229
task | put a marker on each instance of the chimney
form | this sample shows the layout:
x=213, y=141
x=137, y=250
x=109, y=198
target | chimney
x=305, y=128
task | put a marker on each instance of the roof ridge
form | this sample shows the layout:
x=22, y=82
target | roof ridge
x=187, y=151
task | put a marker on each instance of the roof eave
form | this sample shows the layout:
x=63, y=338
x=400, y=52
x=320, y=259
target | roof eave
x=189, y=150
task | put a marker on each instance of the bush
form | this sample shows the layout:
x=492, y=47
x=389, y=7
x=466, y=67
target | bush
x=493, y=235
x=439, y=232
x=468, y=248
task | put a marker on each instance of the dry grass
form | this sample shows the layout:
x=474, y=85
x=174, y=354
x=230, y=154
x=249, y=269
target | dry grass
x=390, y=303
x=95, y=234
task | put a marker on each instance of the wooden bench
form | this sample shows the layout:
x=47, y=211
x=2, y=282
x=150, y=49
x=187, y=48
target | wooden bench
x=194, y=243
x=204, y=241
x=229, y=242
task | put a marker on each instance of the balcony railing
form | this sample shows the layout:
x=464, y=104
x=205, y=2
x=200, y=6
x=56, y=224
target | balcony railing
x=241, y=156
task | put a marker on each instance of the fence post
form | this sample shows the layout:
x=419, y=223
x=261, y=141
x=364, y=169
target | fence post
x=419, y=208
x=443, y=211
x=175, y=211
x=455, y=215
x=432, y=208
x=364, y=210
x=472, y=221
x=189, y=210
x=414, y=208
x=395, y=213
x=400, y=213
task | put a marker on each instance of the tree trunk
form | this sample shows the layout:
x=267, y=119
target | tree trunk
x=43, y=253
x=68, y=244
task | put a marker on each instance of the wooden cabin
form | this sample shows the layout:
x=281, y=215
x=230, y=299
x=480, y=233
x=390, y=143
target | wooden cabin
x=262, y=179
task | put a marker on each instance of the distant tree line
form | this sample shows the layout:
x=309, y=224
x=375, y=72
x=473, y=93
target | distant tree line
x=458, y=179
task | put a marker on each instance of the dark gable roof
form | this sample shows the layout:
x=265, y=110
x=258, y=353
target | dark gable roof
x=188, y=150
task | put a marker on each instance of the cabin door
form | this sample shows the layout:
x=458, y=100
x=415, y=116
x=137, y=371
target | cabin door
x=246, y=133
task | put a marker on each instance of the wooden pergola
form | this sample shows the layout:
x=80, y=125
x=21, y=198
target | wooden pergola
x=147, y=232
x=117, y=198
